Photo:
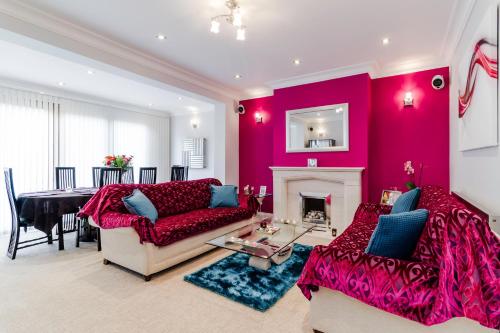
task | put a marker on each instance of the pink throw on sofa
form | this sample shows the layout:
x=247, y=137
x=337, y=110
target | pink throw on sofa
x=455, y=270
x=182, y=209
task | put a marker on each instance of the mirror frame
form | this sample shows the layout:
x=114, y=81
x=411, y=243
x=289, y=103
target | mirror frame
x=345, y=147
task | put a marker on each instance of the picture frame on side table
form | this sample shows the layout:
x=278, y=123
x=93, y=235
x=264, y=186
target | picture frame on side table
x=262, y=191
x=389, y=197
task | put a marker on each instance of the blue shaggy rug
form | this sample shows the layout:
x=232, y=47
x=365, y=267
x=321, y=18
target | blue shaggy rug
x=231, y=277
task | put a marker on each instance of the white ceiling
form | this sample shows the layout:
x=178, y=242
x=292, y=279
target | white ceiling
x=46, y=71
x=324, y=34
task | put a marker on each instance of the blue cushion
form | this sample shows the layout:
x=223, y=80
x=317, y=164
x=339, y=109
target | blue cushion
x=406, y=202
x=223, y=196
x=139, y=204
x=396, y=235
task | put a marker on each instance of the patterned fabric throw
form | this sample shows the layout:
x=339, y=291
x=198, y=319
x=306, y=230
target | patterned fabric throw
x=182, y=209
x=396, y=235
x=407, y=202
x=455, y=270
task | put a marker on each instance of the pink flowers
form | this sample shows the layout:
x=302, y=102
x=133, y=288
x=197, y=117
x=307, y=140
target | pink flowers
x=409, y=168
x=118, y=161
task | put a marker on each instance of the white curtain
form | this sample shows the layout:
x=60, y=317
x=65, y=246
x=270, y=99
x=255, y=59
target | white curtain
x=26, y=126
x=39, y=132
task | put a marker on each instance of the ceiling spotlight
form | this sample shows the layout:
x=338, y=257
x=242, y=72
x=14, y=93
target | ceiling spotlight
x=160, y=37
x=150, y=105
x=179, y=98
x=385, y=41
x=215, y=27
x=241, y=34
x=61, y=84
x=237, y=76
x=90, y=72
x=296, y=62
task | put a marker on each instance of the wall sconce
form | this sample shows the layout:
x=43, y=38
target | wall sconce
x=258, y=117
x=408, y=100
x=195, y=123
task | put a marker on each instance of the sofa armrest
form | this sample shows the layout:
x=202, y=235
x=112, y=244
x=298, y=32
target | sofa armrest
x=111, y=220
x=368, y=278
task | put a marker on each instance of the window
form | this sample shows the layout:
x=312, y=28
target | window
x=38, y=133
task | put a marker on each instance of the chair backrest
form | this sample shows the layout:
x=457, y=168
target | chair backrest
x=147, y=175
x=65, y=178
x=128, y=175
x=109, y=176
x=96, y=173
x=179, y=172
x=9, y=185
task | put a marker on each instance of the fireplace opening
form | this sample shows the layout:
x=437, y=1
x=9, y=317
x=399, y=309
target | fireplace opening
x=314, y=209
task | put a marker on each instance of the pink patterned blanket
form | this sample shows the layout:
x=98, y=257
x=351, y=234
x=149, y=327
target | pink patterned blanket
x=182, y=209
x=455, y=271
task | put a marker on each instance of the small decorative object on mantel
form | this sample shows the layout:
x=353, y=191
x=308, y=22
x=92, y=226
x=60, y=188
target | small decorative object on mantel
x=312, y=162
x=410, y=171
x=118, y=161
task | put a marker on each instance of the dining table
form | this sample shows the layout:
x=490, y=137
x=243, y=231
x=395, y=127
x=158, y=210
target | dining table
x=45, y=209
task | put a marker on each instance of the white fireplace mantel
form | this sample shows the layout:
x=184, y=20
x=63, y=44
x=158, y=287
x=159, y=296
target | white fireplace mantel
x=343, y=183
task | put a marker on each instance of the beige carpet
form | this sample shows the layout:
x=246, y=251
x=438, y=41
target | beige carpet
x=45, y=290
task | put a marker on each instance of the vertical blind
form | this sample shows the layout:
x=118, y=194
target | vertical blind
x=39, y=132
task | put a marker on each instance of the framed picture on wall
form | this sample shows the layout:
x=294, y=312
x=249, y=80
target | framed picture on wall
x=262, y=191
x=478, y=85
x=389, y=197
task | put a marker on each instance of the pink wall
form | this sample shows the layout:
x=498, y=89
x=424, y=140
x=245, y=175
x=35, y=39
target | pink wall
x=382, y=134
x=256, y=146
x=354, y=90
x=419, y=133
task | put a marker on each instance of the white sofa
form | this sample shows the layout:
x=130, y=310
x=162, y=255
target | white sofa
x=122, y=246
x=334, y=312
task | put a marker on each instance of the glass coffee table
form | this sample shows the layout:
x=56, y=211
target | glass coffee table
x=273, y=244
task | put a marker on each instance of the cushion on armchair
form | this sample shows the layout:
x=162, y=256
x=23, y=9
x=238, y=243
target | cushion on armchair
x=407, y=202
x=396, y=235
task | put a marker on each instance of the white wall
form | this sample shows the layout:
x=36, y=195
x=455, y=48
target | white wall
x=475, y=173
x=181, y=128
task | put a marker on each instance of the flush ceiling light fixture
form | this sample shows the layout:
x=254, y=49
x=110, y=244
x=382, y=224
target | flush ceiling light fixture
x=161, y=37
x=385, y=41
x=234, y=17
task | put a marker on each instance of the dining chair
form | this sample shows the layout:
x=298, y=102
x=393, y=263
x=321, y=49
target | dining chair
x=128, y=175
x=108, y=176
x=147, y=175
x=17, y=223
x=179, y=172
x=66, y=178
x=96, y=173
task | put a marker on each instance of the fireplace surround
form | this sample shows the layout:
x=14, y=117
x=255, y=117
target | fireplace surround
x=342, y=184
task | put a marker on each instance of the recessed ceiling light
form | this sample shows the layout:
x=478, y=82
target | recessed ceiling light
x=179, y=98
x=90, y=72
x=237, y=76
x=150, y=105
x=61, y=83
x=385, y=41
x=296, y=62
x=161, y=37
x=42, y=93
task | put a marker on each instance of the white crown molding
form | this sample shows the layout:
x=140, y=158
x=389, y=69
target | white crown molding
x=87, y=38
x=369, y=67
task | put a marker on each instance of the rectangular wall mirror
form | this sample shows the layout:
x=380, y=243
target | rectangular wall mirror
x=318, y=129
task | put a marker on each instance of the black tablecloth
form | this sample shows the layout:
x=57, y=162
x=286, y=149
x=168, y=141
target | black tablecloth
x=44, y=209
